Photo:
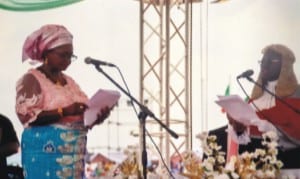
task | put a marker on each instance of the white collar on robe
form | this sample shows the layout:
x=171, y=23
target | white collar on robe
x=267, y=100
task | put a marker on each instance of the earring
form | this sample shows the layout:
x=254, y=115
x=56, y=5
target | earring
x=46, y=61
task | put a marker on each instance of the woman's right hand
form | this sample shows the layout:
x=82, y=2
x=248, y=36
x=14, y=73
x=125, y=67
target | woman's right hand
x=75, y=109
x=237, y=126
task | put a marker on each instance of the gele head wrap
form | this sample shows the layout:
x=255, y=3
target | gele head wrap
x=45, y=38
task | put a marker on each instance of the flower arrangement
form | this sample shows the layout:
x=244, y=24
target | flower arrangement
x=263, y=162
x=129, y=167
x=192, y=165
x=260, y=164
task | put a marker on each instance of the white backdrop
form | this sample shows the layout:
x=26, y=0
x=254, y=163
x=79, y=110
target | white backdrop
x=237, y=30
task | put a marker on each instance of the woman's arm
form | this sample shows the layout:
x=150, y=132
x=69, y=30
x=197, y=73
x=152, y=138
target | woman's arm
x=55, y=115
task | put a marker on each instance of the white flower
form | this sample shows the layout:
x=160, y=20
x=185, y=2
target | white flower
x=212, y=138
x=208, y=152
x=272, y=145
x=202, y=136
x=214, y=146
x=270, y=174
x=211, y=160
x=208, y=165
x=262, y=163
x=234, y=175
x=279, y=164
x=273, y=151
x=259, y=152
x=221, y=159
x=246, y=155
x=271, y=135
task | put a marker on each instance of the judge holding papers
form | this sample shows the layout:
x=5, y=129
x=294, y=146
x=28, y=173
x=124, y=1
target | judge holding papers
x=277, y=111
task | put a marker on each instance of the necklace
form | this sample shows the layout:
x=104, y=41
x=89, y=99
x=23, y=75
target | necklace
x=57, y=79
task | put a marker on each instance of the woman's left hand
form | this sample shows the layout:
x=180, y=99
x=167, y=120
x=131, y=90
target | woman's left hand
x=101, y=116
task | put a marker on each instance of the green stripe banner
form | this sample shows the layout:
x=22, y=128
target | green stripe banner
x=33, y=5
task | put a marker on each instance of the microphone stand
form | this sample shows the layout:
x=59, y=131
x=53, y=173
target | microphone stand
x=142, y=117
x=277, y=97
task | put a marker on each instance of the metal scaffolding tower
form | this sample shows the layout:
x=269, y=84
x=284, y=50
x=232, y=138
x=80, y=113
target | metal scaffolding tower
x=165, y=76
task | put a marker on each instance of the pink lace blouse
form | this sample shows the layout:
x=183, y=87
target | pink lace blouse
x=40, y=94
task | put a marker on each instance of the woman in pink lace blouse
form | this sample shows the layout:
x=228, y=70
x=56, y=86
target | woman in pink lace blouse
x=50, y=105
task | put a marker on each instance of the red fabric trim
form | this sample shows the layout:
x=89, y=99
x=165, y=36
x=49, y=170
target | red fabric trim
x=283, y=117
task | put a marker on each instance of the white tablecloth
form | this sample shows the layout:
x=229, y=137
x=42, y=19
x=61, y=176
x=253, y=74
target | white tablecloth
x=290, y=172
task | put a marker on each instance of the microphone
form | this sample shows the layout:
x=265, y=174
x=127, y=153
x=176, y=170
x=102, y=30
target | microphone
x=294, y=108
x=245, y=74
x=89, y=60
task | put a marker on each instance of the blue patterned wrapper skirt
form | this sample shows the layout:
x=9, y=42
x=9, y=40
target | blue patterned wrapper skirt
x=50, y=152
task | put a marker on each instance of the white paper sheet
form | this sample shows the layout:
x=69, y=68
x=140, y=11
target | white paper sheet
x=101, y=99
x=236, y=107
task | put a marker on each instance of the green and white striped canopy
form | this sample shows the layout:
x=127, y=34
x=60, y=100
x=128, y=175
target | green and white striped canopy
x=33, y=5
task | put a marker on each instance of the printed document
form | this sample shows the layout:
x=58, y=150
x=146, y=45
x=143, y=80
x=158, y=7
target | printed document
x=101, y=99
x=237, y=108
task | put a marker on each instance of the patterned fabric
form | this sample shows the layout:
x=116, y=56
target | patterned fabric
x=57, y=150
x=50, y=152
x=45, y=38
x=42, y=94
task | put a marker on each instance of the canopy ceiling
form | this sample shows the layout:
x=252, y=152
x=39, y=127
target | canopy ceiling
x=33, y=5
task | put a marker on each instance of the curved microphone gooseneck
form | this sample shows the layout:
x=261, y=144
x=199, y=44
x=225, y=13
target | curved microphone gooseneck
x=247, y=75
x=296, y=110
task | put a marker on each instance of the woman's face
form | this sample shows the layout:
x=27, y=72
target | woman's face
x=270, y=66
x=60, y=57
